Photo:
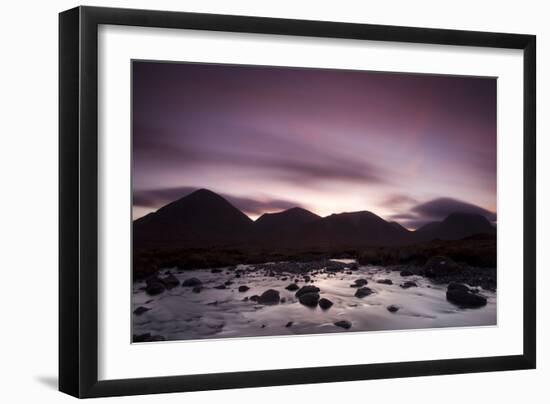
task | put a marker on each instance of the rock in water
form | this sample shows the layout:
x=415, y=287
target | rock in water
x=243, y=288
x=439, y=266
x=191, y=282
x=361, y=282
x=309, y=299
x=170, y=281
x=462, y=296
x=222, y=286
x=385, y=281
x=140, y=310
x=406, y=272
x=289, y=324
x=392, y=308
x=197, y=289
x=154, y=286
x=343, y=323
x=408, y=284
x=325, y=304
x=307, y=289
x=270, y=296
x=292, y=287
x=363, y=292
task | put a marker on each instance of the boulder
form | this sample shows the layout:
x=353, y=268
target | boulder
x=325, y=304
x=170, y=281
x=440, y=266
x=243, y=288
x=363, y=292
x=155, y=287
x=361, y=282
x=309, y=299
x=292, y=287
x=270, y=296
x=190, y=282
x=289, y=324
x=343, y=323
x=465, y=298
x=392, y=308
x=140, y=310
x=385, y=281
x=408, y=284
x=307, y=289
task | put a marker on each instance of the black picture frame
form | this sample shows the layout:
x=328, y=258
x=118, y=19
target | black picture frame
x=78, y=201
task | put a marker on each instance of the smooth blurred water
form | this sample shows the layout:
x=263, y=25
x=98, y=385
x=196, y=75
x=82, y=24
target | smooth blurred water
x=180, y=314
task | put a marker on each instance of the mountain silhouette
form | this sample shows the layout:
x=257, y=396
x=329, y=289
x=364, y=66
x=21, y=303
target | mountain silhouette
x=204, y=219
x=201, y=218
x=398, y=226
x=351, y=229
x=273, y=226
x=455, y=226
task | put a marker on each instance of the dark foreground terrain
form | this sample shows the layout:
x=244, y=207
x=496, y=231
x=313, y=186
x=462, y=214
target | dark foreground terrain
x=474, y=251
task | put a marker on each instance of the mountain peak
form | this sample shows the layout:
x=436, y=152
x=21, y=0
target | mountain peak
x=294, y=213
x=202, y=193
x=456, y=225
x=287, y=221
x=199, y=217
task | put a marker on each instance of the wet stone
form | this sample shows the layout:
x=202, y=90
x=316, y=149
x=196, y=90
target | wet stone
x=343, y=324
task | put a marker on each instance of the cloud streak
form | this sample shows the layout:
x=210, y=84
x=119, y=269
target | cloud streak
x=438, y=209
x=279, y=156
x=329, y=139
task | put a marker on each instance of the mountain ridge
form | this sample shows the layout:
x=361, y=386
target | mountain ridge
x=204, y=218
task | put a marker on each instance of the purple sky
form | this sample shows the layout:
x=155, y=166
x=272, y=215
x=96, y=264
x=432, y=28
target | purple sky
x=410, y=148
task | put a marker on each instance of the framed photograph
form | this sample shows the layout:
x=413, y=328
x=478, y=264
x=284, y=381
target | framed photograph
x=251, y=201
